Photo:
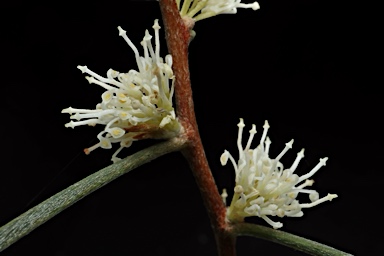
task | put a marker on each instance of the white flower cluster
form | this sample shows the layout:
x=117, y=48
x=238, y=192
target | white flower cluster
x=135, y=105
x=209, y=8
x=263, y=187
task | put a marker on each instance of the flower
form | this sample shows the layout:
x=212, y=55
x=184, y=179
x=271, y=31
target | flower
x=263, y=187
x=135, y=105
x=210, y=8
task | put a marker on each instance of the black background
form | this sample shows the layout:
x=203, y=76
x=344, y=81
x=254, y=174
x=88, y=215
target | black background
x=305, y=65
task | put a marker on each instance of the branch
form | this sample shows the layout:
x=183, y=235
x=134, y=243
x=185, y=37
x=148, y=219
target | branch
x=286, y=239
x=177, y=32
x=33, y=218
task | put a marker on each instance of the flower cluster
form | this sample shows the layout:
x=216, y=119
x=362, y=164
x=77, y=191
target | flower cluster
x=135, y=105
x=202, y=9
x=263, y=187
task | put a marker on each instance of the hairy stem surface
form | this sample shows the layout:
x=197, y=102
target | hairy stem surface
x=33, y=218
x=286, y=239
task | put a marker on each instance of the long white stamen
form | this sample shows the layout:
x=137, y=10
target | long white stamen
x=328, y=197
x=71, y=110
x=92, y=80
x=156, y=27
x=267, y=145
x=275, y=225
x=314, y=170
x=239, y=137
x=300, y=156
x=89, y=121
x=306, y=183
x=123, y=34
x=252, y=133
x=212, y=8
x=265, y=130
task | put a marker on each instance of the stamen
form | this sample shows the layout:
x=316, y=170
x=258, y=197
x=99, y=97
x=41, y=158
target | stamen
x=89, y=122
x=328, y=197
x=252, y=133
x=196, y=7
x=156, y=27
x=239, y=137
x=275, y=225
x=123, y=34
x=287, y=146
x=87, y=151
x=255, y=6
x=314, y=170
x=300, y=156
x=185, y=7
x=265, y=130
x=267, y=145
x=71, y=110
x=92, y=80
x=306, y=183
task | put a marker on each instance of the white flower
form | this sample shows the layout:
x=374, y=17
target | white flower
x=210, y=8
x=135, y=105
x=263, y=187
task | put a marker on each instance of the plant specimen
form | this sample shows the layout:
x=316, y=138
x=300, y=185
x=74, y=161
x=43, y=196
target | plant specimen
x=155, y=102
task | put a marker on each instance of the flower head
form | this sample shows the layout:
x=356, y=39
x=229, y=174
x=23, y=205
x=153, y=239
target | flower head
x=135, y=105
x=202, y=9
x=263, y=187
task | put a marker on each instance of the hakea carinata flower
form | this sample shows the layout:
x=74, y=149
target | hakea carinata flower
x=263, y=187
x=135, y=105
x=202, y=9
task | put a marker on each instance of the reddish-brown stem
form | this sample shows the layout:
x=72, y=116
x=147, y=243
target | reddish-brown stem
x=178, y=37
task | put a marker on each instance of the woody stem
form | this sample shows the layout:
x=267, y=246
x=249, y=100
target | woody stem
x=178, y=37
